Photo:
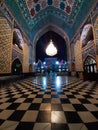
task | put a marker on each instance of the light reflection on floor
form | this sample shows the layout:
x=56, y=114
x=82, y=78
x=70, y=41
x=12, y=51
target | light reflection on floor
x=49, y=103
x=53, y=80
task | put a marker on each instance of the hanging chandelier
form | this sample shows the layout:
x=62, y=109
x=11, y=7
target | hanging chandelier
x=51, y=49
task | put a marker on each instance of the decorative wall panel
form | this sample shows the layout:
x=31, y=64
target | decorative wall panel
x=94, y=12
x=26, y=58
x=16, y=53
x=78, y=56
x=96, y=33
x=88, y=50
x=5, y=46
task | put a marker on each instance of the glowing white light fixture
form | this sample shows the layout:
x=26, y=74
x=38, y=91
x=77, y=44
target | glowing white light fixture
x=51, y=49
x=44, y=63
x=57, y=63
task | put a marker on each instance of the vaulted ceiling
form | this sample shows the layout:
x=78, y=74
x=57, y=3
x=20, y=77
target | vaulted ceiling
x=33, y=15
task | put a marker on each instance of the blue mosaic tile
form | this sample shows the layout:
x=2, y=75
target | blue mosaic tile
x=62, y=5
x=49, y=2
x=38, y=7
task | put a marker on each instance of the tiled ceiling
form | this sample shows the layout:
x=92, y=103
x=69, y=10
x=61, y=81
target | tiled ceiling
x=64, y=13
x=33, y=10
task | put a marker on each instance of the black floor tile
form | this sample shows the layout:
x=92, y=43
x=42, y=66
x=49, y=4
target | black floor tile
x=95, y=113
x=42, y=90
x=28, y=100
x=70, y=96
x=1, y=109
x=1, y=121
x=24, y=96
x=60, y=93
x=84, y=101
x=17, y=115
x=79, y=107
x=44, y=116
x=96, y=105
x=10, y=96
x=92, y=126
x=10, y=93
x=25, y=126
x=87, y=96
x=46, y=100
x=47, y=92
x=39, y=96
x=34, y=106
x=55, y=126
x=64, y=101
x=72, y=117
x=22, y=92
x=75, y=93
x=34, y=92
x=13, y=106
x=55, y=96
x=53, y=90
x=11, y=100
x=89, y=92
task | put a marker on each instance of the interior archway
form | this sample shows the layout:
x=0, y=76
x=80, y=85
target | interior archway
x=90, y=65
x=16, y=67
x=55, y=29
x=17, y=38
x=58, y=41
x=87, y=35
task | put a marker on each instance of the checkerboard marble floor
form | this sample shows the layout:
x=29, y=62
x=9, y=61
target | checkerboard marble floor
x=49, y=103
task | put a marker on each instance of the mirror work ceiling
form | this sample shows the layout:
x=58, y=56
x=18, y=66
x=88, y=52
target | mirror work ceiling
x=35, y=14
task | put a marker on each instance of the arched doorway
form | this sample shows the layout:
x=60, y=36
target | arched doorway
x=90, y=69
x=90, y=65
x=16, y=67
x=51, y=63
x=88, y=53
x=56, y=29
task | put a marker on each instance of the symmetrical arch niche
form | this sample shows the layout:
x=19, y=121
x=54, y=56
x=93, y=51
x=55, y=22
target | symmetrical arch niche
x=53, y=28
x=87, y=35
x=16, y=67
x=17, y=38
x=90, y=65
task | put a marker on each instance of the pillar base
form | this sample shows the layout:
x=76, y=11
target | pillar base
x=79, y=75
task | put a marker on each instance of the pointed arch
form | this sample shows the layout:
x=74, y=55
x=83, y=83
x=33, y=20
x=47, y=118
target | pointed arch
x=54, y=28
x=90, y=65
x=87, y=35
x=16, y=67
x=17, y=38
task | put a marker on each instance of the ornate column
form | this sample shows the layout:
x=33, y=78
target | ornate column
x=78, y=58
x=25, y=57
